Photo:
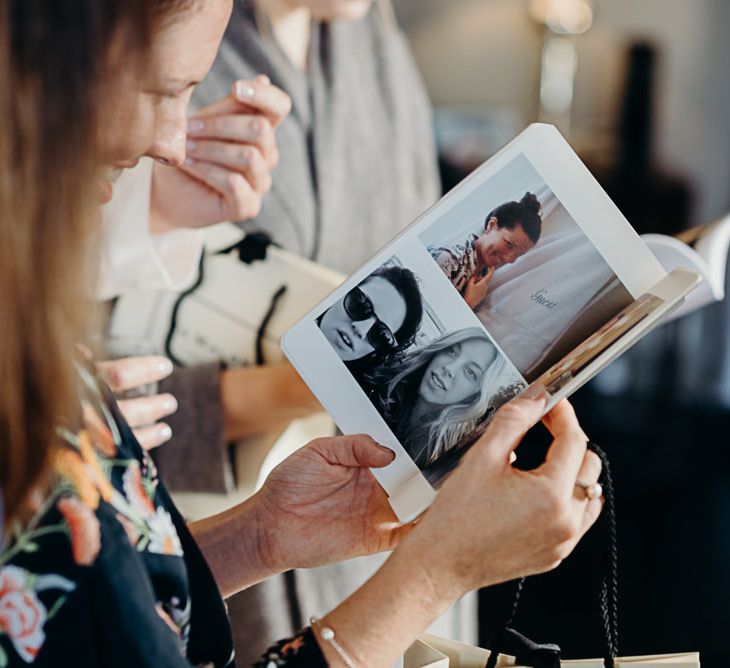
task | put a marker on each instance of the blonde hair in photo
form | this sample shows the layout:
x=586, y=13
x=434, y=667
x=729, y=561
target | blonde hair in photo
x=453, y=423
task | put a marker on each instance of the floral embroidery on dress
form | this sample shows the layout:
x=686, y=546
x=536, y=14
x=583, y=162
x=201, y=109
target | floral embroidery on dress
x=22, y=615
x=88, y=465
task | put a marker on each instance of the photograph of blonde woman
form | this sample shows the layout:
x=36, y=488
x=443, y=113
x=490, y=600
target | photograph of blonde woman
x=436, y=395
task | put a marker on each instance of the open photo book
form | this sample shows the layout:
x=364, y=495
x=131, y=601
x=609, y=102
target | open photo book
x=525, y=278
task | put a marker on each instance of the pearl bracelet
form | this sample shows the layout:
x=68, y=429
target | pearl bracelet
x=328, y=635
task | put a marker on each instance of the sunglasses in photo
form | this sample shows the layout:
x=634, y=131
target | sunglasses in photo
x=359, y=307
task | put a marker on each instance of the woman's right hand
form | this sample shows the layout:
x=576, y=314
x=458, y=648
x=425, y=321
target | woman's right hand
x=491, y=522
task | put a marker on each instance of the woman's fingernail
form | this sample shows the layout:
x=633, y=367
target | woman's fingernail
x=244, y=90
x=191, y=145
x=170, y=404
x=195, y=125
x=385, y=448
x=164, y=366
x=164, y=433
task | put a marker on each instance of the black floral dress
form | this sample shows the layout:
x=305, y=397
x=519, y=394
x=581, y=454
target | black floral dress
x=104, y=572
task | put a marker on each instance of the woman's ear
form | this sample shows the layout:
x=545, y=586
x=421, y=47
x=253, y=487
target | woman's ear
x=491, y=224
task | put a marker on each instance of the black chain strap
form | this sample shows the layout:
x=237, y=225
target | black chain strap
x=608, y=594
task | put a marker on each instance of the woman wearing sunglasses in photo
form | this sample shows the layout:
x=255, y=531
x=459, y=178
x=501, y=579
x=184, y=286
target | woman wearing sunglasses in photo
x=376, y=319
x=434, y=397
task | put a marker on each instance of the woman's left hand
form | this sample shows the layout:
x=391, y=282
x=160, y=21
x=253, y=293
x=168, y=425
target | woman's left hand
x=322, y=504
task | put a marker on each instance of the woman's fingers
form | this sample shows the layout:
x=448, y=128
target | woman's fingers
x=567, y=452
x=266, y=98
x=588, y=474
x=510, y=424
x=258, y=96
x=354, y=451
x=237, y=128
x=153, y=436
x=131, y=372
x=243, y=158
x=147, y=410
x=238, y=199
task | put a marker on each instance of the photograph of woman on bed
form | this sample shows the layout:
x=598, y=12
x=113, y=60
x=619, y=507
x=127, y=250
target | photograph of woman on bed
x=510, y=230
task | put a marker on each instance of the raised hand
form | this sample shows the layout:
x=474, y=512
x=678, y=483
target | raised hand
x=231, y=150
x=499, y=523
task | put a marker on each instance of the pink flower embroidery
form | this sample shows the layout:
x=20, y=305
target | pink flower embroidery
x=85, y=530
x=22, y=615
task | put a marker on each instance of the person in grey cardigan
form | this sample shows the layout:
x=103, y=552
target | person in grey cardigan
x=357, y=163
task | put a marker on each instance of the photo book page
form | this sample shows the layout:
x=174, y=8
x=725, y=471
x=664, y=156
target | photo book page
x=525, y=273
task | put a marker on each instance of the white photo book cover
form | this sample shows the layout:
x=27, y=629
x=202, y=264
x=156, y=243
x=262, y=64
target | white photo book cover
x=525, y=275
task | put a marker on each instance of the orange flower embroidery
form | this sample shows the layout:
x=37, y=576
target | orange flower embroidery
x=89, y=455
x=69, y=464
x=135, y=492
x=100, y=434
x=85, y=529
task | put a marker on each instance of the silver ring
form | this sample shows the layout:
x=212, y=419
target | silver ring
x=592, y=491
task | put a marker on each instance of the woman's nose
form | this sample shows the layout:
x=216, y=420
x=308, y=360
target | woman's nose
x=362, y=327
x=169, y=145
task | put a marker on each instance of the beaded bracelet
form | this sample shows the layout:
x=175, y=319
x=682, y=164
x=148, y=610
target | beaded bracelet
x=328, y=635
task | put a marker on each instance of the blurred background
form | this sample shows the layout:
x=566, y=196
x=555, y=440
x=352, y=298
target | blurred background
x=641, y=89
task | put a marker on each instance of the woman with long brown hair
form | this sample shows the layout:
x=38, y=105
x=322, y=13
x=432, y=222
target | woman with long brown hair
x=97, y=568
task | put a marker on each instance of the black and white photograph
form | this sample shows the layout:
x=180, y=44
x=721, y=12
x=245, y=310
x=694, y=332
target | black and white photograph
x=432, y=385
x=485, y=292
x=525, y=267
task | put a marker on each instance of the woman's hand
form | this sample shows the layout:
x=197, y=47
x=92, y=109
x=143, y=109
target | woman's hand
x=143, y=413
x=477, y=287
x=322, y=504
x=498, y=523
x=231, y=150
x=489, y=523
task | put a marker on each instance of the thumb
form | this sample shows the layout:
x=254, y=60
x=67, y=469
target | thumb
x=359, y=450
x=509, y=425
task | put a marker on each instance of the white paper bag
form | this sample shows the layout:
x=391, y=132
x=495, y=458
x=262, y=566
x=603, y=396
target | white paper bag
x=460, y=655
